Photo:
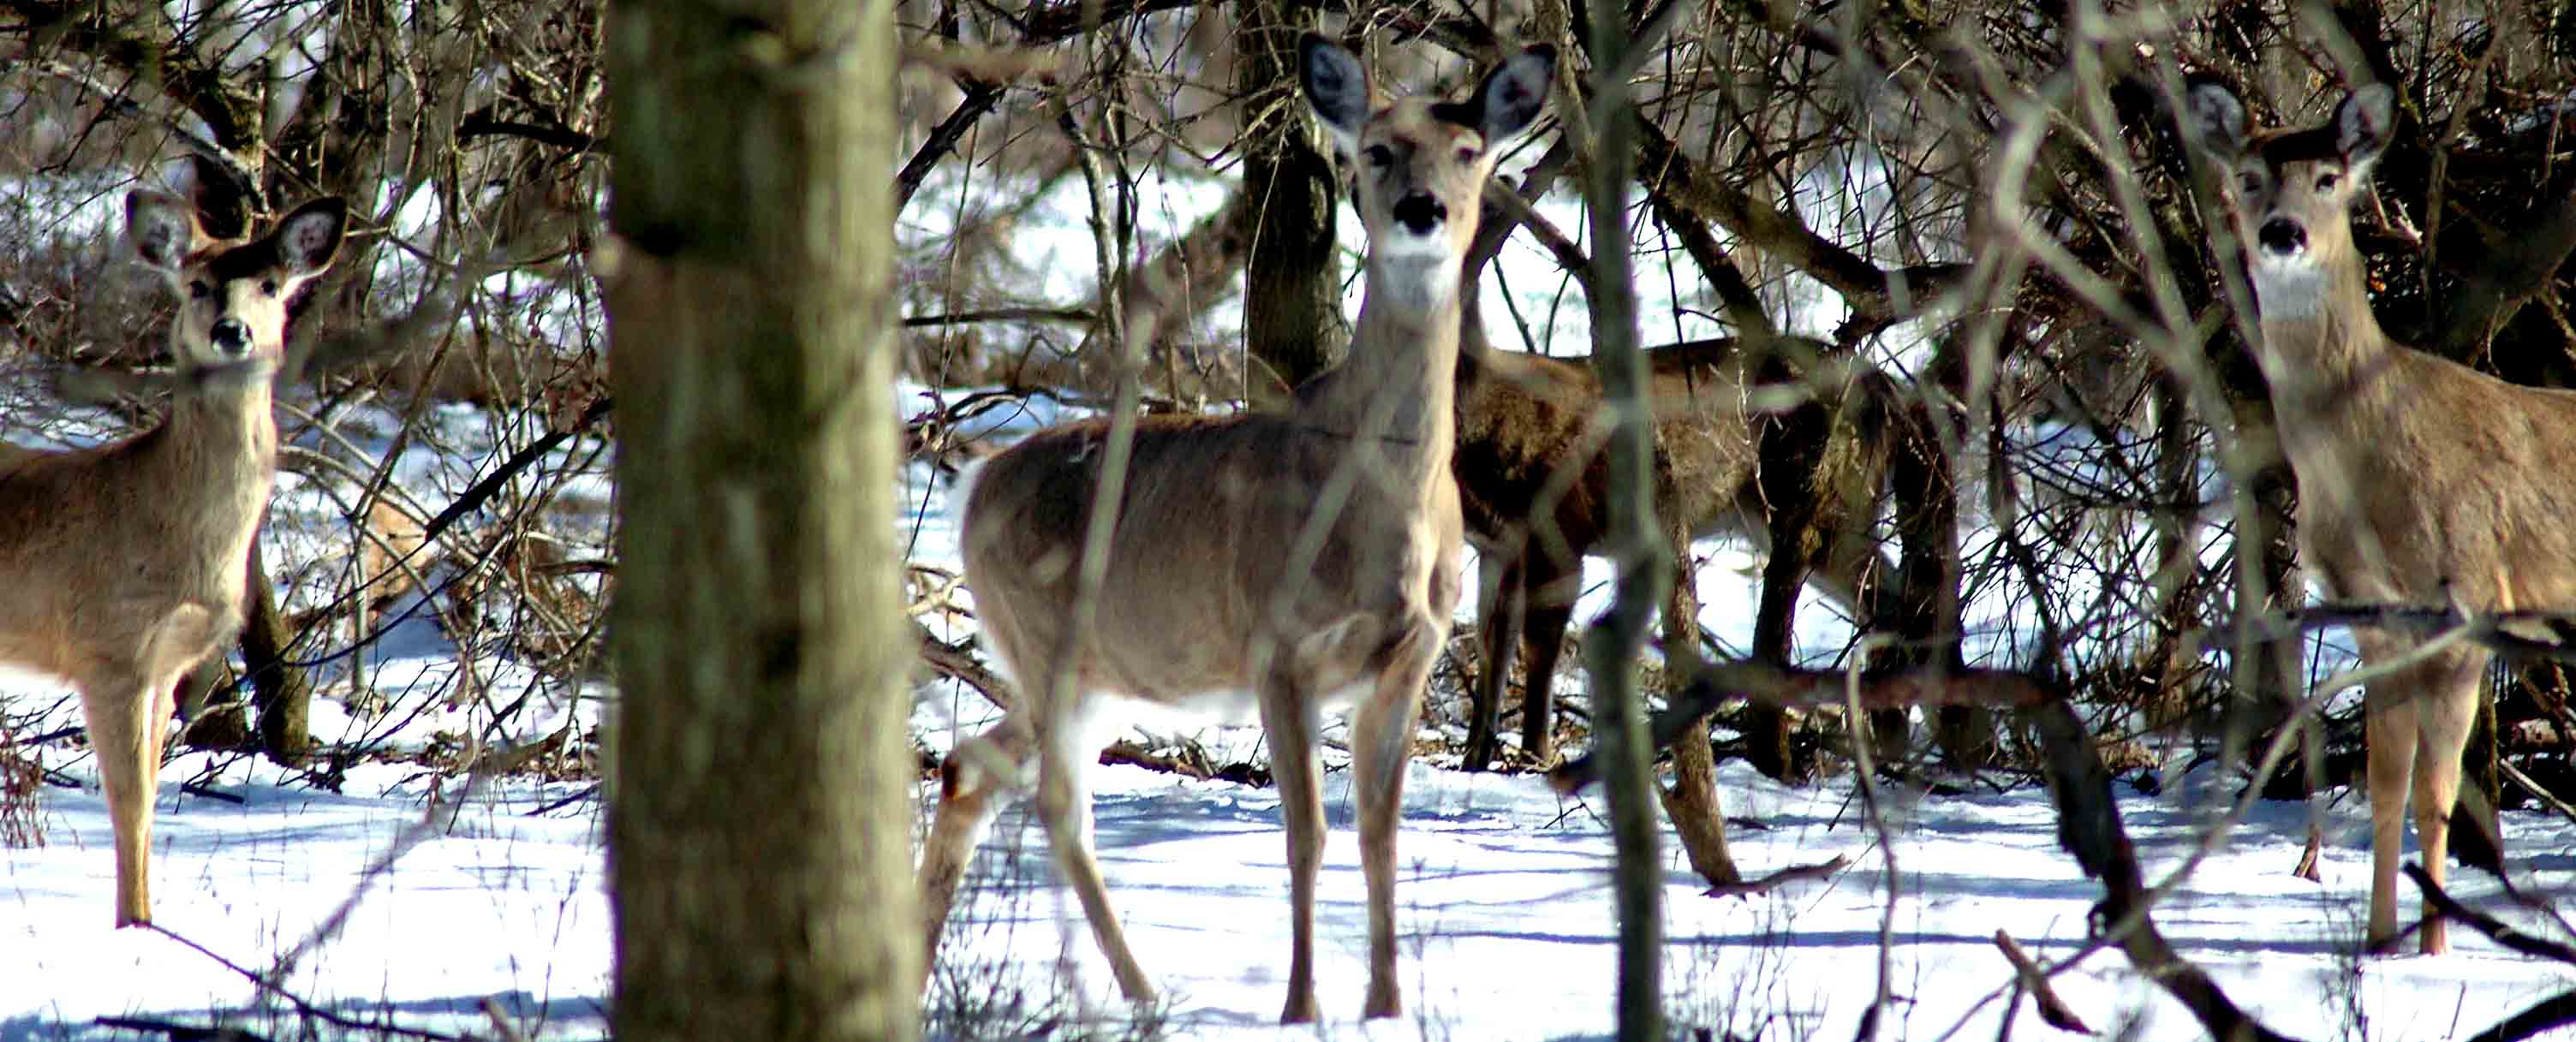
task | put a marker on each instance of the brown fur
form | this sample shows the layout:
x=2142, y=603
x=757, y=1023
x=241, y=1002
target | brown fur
x=125, y=565
x=2421, y=480
x=1308, y=558
x=1529, y=443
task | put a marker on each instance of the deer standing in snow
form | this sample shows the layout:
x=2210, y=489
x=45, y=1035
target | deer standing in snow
x=1309, y=558
x=2421, y=480
x=125, y=565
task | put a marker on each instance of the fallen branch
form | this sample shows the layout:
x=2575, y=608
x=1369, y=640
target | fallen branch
x=2088, y=826
x=2052, y=1009
x=1774, y=881
x=2497, y=930
x=2532, y=634
x=1712, y=686
x=953, y=660
x=179, y=1032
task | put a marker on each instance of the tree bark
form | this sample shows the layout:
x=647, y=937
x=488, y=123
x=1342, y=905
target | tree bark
x=1638, y=550
x=759, y=827
x=1292, y=300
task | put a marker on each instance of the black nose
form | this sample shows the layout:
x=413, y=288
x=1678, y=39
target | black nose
x=231, y=337
x=1420, y=213
x=2283, y=236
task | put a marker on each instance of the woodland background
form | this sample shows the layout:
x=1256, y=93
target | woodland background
x=1990, y=203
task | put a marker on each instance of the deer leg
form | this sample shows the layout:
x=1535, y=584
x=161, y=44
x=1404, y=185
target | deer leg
x=2390, y=737
x=1381, y=743
x=1502, y=604
x=2444, y=712
x=1064, y=803
x=1288, y=717
x=970, y=795
x=1766, y=727
x=119, y=710
x=1549, y=588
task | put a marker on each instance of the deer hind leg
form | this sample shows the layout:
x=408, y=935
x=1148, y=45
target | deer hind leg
x=1288, y=717
x=1381, y=744
x=1502, y=606
x=1550, y=589
x=2444, y=711
x=978, y=779
x=1064, y=804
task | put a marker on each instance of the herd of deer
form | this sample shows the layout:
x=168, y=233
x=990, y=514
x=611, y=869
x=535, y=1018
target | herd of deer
x=1280, y=564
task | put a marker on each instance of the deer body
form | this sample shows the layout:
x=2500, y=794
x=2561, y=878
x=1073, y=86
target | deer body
x=1309, y=558
x=1535, y=485
x=126, y=565
x=2421, y=481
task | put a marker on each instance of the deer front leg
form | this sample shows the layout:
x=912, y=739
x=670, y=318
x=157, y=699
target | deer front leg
x=1381, y=744
x=2390, y=738
x=1288, y=717
x=2444, y=712
x=118, y=708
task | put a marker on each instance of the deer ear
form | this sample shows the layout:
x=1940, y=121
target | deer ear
x=1510, y=98
x=163, y=228
x=308, y=238
x=2363, y=125
x=2220, y=119
x=1336, y=85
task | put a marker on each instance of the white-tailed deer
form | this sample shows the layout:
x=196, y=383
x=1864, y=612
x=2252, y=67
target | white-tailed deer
x=2421, y=481
x=123, y=566
x=1308, y=558
x=1533, y=479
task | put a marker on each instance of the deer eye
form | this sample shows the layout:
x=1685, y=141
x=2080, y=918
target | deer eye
x=2326, y=181
x=268, y=287
x=2249, y=182
x=1469, y=155
x=1378, y=155
x=198, y=290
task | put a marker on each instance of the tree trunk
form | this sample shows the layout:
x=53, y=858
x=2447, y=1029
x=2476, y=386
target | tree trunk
x=1292, y=300
x=1638, y=549
x=759, y=823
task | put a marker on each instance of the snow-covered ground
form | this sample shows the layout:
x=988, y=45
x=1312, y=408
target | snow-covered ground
x=1506, y=925
x=1505, y=921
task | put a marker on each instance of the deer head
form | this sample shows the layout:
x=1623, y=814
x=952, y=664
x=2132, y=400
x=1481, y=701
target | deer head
x=2290, y=192
x=232, y=294
x=1409, y=156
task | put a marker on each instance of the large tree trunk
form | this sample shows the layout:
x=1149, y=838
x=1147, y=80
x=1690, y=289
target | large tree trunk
x=1292, y=301
x=759, y=827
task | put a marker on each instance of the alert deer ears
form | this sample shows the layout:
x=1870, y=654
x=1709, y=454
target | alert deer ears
x=2220, y=119
x=1510, y=98
x=2363, y=125
x=310, y=237
x=1336, y=86
x=1505, y=104
x=163, y=228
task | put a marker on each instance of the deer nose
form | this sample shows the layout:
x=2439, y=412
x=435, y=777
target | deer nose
x=1419, y=213
x=231, y=337
x=2283, y=236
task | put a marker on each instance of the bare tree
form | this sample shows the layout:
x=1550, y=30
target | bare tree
x=759, y=844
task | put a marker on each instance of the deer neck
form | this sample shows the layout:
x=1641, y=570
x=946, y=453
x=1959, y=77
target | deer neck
x=220, y=432
x=2322, y=349
x=1398, y=388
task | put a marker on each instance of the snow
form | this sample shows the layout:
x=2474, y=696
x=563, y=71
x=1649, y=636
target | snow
x=1504, y=919
x=1505, y=923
